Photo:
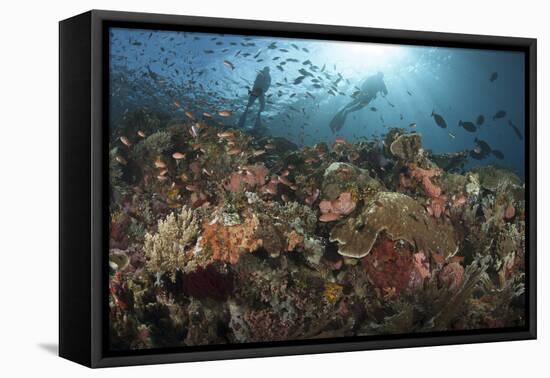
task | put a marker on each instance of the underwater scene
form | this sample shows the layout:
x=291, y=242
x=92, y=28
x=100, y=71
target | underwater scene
x=268, y=189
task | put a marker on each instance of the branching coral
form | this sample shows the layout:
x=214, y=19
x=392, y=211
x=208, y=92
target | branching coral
x=165, y=249
x=448, y=301
x=510, y=253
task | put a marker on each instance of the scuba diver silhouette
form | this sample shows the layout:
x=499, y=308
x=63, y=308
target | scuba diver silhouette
x=370, y=88
x=260, y=87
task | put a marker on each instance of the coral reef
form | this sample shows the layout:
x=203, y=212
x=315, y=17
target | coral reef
x=220, y=236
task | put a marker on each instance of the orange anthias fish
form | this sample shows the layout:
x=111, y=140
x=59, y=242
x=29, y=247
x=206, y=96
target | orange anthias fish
x=141, y=134
x=329, y=217
x=226, y=135
x=225, y=113
x=160, y=164
x=258, y=152
x=178, y=155
x=283, y=180
x=125, y=141
x=234, y=151
x=190, y=115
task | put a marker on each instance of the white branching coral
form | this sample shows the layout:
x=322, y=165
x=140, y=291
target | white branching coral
x=165, y=249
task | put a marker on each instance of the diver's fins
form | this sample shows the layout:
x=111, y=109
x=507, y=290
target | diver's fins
x=258, y=123
x=242, y=120
x=259, y=132
x=338, y=121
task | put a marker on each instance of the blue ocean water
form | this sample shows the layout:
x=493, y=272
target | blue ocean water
x=177, y=72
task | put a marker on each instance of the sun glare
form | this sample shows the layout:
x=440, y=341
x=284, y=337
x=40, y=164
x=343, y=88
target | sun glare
x=371, y=56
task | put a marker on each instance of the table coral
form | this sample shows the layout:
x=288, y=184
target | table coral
x=407, y=147
x=491, y=177
x=401, y=217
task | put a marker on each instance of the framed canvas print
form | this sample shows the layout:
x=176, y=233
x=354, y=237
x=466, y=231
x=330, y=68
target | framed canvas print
x=233, y=188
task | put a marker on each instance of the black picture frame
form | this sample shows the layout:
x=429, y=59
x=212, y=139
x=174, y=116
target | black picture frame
x=83, y=182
